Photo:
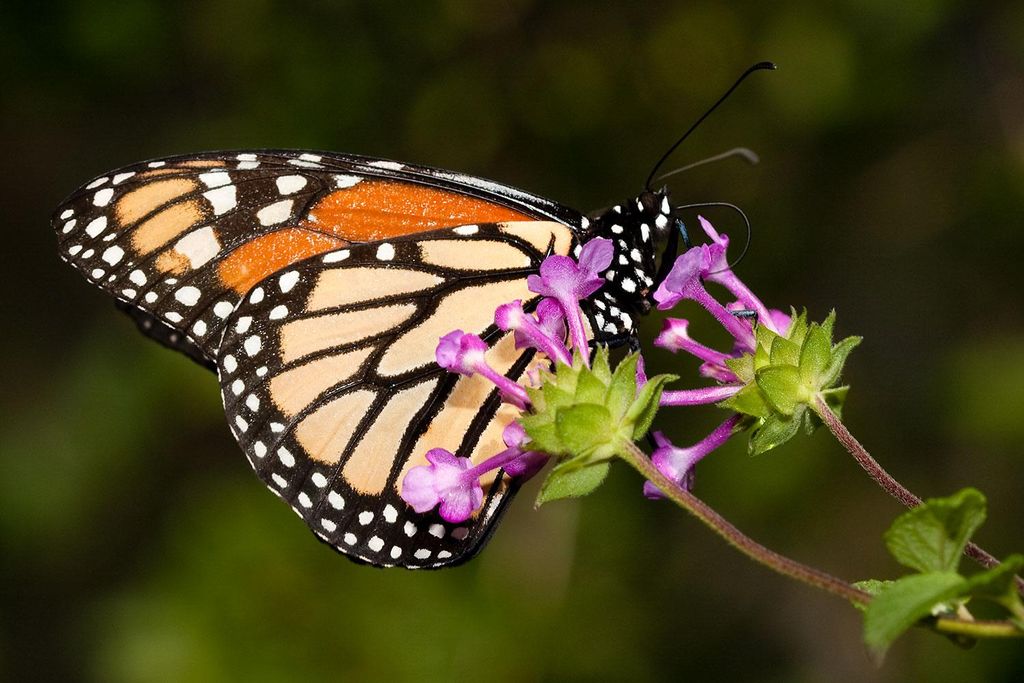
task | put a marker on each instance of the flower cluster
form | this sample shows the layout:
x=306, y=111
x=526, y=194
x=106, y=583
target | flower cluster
x=581, y=415
x=452, y=483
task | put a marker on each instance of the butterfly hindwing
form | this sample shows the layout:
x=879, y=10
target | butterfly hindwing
x=330, y=386
x=180, y=240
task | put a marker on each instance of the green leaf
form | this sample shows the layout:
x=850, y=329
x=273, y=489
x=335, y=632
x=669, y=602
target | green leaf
x=555, y=396
x=742, y=367
x=599, y=366
x=784, y=352
x=997, y=584
x=932, y=536
x=781, y=387
x=641, y=413
x=901, y=604
x=622, y=388
x=774, y=431
x=872, y=587
x=828, y=326
x=815, y=356
x=589, y=389
x=540, y=428
x=798, y=328
x=749, y=400
x=569, y=480
x=583, y=428
x=840, y=352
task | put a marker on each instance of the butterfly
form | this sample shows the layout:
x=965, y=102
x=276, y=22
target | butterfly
x=317, y=285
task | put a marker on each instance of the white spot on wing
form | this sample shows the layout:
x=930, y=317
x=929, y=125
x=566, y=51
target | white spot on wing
x=97, y=183
x=113, y=255
x=345, y=181
x=222, y=199
x=288, y=280
x=289, y=184
x=96, y=226
x=386, y=252
x=103, y=197
x=467, y=230
x=188, y=295
x=389, y=165
x=215, y=178
x=336, y=256
x=275, y=213
x=199, y=246
x=223, y=309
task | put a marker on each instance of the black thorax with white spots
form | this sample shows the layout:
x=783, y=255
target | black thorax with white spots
x=637, y=228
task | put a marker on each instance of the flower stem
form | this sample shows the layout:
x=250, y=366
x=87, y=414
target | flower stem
x=733, y=536
x=977, y=629
x=887, y=481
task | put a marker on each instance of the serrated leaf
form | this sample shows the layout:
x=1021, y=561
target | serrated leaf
x=828, y=326
x=599, y=365
x=781, y=387
x=569, y=481
x=774, y=431
x=742, y=367
x=900, y=605
x=997, y=584
x=541, y=430
x=798, y=328
x=932, y=536
x=589, y=389
x=840, y=352
x=749, y=400
x=622, y=388
x=871, y=587
x=583, y=428
x=815, y=356
x=764, y=337
x=784, y=352
x=641, y=413
x=555, y=396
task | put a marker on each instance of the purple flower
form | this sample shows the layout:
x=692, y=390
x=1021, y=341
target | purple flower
x=454, y=483
x=684, y=282
x=567, y=281
x=526, y=463
x=546, y=333
x=466, y=354
x=460, y=352
x=448, y=481
x=677, y=463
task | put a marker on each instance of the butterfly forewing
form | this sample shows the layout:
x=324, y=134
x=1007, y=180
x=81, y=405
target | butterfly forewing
x=181, y=240
x=330, y=385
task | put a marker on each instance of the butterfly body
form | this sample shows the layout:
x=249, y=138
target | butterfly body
x=317, y=285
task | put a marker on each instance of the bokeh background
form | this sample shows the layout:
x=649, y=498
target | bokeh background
x=136, y=545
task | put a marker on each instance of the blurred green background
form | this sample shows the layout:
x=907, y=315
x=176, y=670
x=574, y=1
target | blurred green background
x=136, y=545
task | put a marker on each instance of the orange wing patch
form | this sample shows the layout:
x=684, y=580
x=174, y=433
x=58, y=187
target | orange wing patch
x=264, y=256
x=372, y=210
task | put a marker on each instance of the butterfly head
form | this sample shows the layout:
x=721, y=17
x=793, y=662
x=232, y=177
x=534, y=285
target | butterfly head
x=642, y=232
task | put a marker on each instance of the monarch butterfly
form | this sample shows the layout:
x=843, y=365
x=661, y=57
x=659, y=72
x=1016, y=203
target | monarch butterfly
x=317, y=285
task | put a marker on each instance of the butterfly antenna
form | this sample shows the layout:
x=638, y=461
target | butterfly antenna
x=746, y=222
x=757, y=67
x=747, y=155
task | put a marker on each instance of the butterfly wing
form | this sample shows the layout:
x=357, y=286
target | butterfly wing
x=179, y=241
x=330, y=385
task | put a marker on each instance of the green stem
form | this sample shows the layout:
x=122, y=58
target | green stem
x=977, y=629
x=746, y=545
x=887, y=481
